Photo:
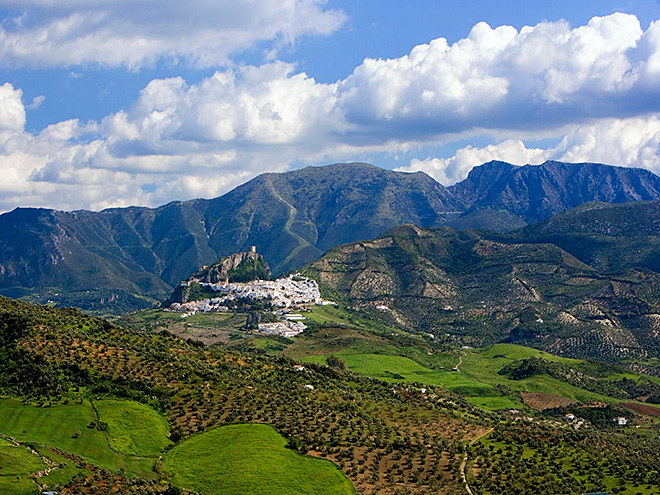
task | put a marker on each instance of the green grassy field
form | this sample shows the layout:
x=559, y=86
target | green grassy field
x=399, y=369
x=342, y=317
x=157, y=319
x=478, y=380
x=154, y=317
x=223, y=320
x=483, y=365
x=388, y=367
x=16, y=465
x=65, y=426
x=492, y=403
x=250, y=459
x=133, y=428
x=327, y=314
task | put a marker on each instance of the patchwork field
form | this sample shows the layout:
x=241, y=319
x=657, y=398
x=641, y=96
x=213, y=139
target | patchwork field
x=241, y=459
x=541, y=401
x=642, y=408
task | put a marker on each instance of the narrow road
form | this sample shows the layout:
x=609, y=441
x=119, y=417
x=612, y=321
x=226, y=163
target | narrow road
x=460, y=360
x=302, y=242
x=465, y=460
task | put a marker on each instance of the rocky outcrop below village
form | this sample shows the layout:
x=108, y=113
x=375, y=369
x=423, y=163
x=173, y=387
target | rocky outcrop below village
x=235, y=268
x=239, y=267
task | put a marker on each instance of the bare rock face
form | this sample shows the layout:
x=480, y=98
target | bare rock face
x=228, y=268
x=535, y=192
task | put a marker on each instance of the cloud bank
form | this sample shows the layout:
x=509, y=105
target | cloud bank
x=593, y=90
x=133, y=33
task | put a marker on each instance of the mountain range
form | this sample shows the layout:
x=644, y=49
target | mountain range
x=121, y=259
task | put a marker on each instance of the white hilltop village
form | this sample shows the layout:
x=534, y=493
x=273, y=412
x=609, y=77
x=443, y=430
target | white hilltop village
x=292, y=292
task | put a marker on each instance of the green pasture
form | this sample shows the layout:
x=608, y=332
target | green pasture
x=217, y=320
x=327, y=314
x=66, y=426
x=337, y=341
x=151, y=319
x=342, y=317
x=152, y=316
x=133, y=428
x=250, y=459
x=483, y=365
x=478, y=380
x=400, y=369
x=492, y=403
x=385, y=367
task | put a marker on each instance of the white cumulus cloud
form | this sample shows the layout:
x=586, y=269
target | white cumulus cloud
x=44, y=33
x=12, y=111
x=501, y=78
x=593, y=90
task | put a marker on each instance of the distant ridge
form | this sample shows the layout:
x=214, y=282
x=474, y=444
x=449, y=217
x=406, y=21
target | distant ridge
x=122, y=254
x=121, y=259
x=536, y=192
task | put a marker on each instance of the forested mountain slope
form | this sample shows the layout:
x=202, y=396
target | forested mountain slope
x=582, y=284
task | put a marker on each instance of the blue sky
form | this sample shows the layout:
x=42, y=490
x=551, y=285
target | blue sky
x=113, y=103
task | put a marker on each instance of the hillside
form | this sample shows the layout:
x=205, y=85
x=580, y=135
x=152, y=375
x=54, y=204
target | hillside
x=605, y=236
x=94, y=404
x=121, y=259
x=481, y=288
x=59, y=361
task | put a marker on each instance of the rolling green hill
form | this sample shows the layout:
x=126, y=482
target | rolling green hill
x=239, y=459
